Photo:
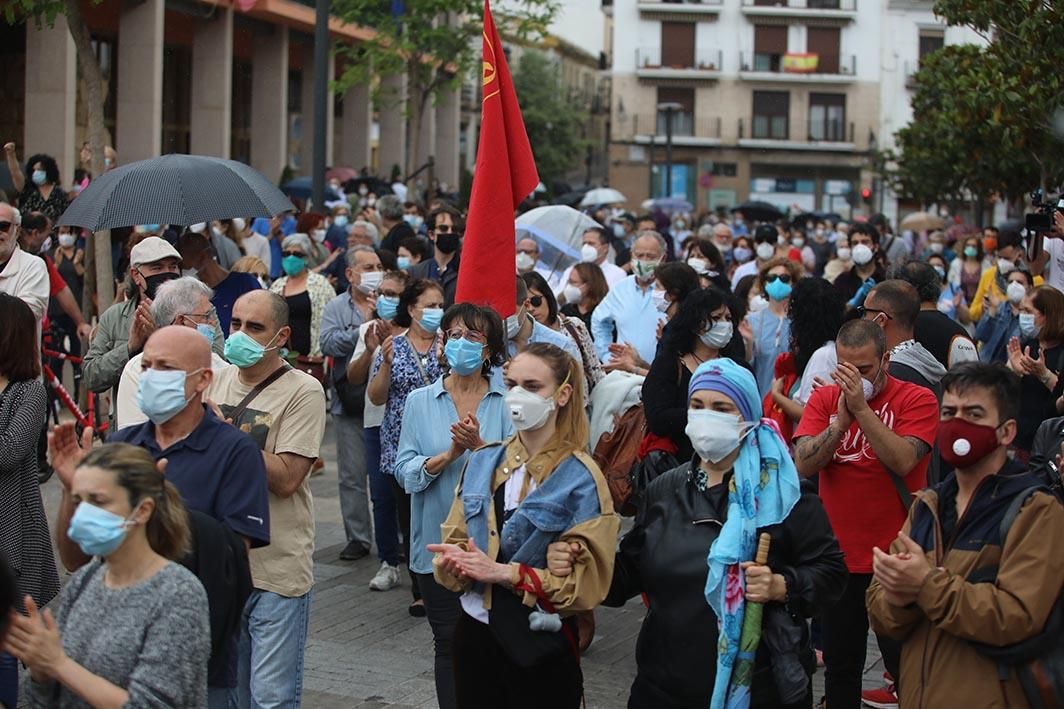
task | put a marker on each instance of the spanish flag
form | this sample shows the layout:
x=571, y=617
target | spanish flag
x=505, y=174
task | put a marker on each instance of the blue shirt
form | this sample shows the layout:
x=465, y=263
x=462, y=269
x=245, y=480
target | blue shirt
x=339, y=334
x=225, y=294
x=218, y=470
x=772, y=336
x=542, y=333
x=632, y=311
x=426, y=431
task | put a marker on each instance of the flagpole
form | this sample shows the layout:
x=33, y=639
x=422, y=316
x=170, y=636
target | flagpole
x=321, y=104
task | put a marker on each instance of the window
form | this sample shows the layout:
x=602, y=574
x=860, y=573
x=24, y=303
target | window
x=177, y=99
x=823, y=4
x=824, y=42
x=827, y=117
x=683, y=119
x=771, y=114
x=931, y=41
x=678, y=45
x=770, y=44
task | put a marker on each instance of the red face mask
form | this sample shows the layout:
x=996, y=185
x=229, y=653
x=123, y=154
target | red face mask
x=962, y=443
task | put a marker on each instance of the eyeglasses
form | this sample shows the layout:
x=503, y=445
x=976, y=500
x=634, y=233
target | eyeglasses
x=200, y=316
x=862, y=311
x=773, y=277
x=534, y=300
x=389, y=293
x=5, y=226
x=300, y=254
x=530, y=252
x=458, y=333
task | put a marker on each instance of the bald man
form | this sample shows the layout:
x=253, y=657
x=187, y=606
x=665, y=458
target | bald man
x=284, y=413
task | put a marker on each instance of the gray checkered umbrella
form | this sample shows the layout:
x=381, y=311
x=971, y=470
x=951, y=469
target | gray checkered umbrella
x=174, y=189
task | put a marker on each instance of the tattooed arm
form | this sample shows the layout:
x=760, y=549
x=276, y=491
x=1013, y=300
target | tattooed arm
x=812, y=453
x=898, y=454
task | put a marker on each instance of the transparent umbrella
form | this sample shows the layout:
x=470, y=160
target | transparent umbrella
x=559, y=231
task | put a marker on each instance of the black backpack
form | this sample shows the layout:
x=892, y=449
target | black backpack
x=1037, y=661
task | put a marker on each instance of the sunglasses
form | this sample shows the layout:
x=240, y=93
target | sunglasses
x=862, y=310
x=6, y=226
x=534, y=300
x=444, y=229
x=773, y=277
x=300, y=254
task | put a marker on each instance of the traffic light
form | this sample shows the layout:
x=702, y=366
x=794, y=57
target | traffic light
x=866, y=194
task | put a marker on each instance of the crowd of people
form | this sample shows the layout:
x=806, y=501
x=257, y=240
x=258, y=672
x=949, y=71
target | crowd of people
x=882, y=410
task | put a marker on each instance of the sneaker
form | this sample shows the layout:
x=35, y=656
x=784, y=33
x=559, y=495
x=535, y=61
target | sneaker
x=354, y=551
x=882, y=698
x=387, y=578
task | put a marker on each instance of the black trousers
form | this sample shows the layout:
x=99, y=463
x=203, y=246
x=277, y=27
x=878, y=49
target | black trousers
x=844, y=629
x=443, y=609
x=402, y=503
x=486, y=678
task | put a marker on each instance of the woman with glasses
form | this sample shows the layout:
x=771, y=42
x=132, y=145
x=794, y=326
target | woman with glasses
x=403, y=363
x=544, y=309
x=442, y=422
x=307, y=293
x=767, y=333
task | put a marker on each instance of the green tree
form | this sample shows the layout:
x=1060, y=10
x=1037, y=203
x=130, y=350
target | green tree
x=433, y=42
x=983, y=116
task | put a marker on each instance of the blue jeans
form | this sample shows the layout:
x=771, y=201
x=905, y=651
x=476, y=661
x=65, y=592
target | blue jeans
x=385, y=517
x=221, y=698
x=8, y=680
x=273, y=634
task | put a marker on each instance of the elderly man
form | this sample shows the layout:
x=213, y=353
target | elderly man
x=445, y=226
x=22, y=275
x=629, y=307
x=340, y=324
x=283, y=410
x=362, y=233
x=125, y=327
x=186, y=302
x=391, y=210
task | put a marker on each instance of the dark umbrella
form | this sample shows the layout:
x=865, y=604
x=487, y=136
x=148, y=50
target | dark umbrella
x=374, y=184
x=759, y=211
x=174, y=189
x=302, y=188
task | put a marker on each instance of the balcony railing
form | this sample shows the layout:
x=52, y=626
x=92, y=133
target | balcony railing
x=705, y=63
x=679, y=9
x=780, y=130
x=829, y=12
x=812, y=5
x=686, y=128
x=796, y=67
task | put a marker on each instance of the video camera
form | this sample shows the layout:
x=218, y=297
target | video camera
x=1041, y=219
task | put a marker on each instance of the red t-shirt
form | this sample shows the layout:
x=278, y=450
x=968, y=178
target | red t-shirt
x=55, y=281
x=859, y=496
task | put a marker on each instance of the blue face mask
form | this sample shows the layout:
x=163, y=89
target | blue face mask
x=777, y=289
x=403, y=262
x=1028, y=328
x=207, y=331
x=463, y=356
x=161, y=393
x=340, y=220
x=387, y=307
x=431, y=319
x=39, y=177
x=96, y=531
x=293, y=265
x=243, y=351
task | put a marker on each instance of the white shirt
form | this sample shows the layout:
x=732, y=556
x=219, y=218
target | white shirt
x=128, y=411
x=823, y=362
x=25, y=276
x=257, y=245
x=372, y=415
x=1054, y=271
x=749, y=268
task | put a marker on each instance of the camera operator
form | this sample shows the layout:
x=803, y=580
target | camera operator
x=1049, y=262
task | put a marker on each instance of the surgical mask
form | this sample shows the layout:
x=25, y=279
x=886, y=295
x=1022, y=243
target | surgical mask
x=414, y=220
x=1015, y=292
x=513, y=324
x=1028, y=327
x=293, y=265
x=161, y=393
x=588, y=253
x=430, y=319
x=153, y=282
x=758, y=303
x=742, y=254
x=765, y=251
x=525, y=261
x=777, y=289
x=572, y=294
x=403, y=262
x=363, y=190
x=189, y=272
x=971, y=251
x=618, y=231
x=371, y=281
x=717, y=335
x=869, y=387
x=528, y=411
x=46, y=246
x=239, y=224
x=1004, y=266
x=819, y=233
x=715, y=434
x=700, y=265
x=243, y=351
x=940, y=271
x=96, y=531
x=862, y=254
x=798, y=242
x=660, y=303
x=387, y=307
x=340, y=220
x=39, y=177
x=448, y=243
x=207, y=331
x=67, y=240
x=463, y=356
x=644, y=270
x=843, y=253
x=318, y=235
x=936, y=247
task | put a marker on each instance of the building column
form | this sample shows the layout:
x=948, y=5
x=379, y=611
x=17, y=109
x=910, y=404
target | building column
x=306, y=151
x=51, y=93
x=392, y=112
x=355, y=129
x=269, y=103
x=140, y=81
x=212, y=85
x=426, y=143
x=448, y=125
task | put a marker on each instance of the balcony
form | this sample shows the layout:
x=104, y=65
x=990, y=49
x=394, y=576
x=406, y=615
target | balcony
x=797, y=68
x=680, y=10
x=761, y=133
x=835, y=12
x=688, y=130
x=703, y=66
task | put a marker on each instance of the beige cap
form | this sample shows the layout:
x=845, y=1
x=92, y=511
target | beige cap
x=151, y=250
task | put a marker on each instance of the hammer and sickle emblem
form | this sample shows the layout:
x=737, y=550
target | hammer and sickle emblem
x=489, y=73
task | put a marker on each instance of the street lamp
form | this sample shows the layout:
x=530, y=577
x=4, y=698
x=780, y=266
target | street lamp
x=321, y=103
x=669, y=107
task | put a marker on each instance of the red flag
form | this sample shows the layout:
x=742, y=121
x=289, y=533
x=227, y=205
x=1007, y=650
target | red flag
x=505, y=174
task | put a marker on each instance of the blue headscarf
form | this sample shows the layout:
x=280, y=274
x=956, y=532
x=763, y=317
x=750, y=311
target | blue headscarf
x=764, y=488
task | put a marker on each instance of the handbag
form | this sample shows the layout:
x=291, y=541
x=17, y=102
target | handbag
x=313, y=366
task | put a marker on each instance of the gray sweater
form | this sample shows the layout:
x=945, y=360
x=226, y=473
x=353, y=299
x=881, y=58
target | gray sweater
x=152, y=639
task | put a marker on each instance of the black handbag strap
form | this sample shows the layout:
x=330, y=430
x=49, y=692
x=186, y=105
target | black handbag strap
x=240, y=408
x=903, y=492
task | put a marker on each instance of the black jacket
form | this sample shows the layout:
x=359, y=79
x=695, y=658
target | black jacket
x=664, y=556
x=448, y=280
x=397, y=235
x=1045, y=449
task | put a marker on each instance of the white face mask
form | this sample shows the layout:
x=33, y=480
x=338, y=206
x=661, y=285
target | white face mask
x=528, y=411
x=318, y=235
x=700, y=265
x=370, y=281
x=936, y=247
x=765, y=251
x=862, y=254
x=1004, y=266
x=798, y=242
x=525, y=261
x=660, y=303
x=239, y=224
x=718, y=335
x=572, y=294
x=843, y=252
x=644, y=270
x=714, y=434
x=588, y=253
x=758, y=303
x=513, y=324
x=189, y=272
x=67, y=240
x=1015, y=292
